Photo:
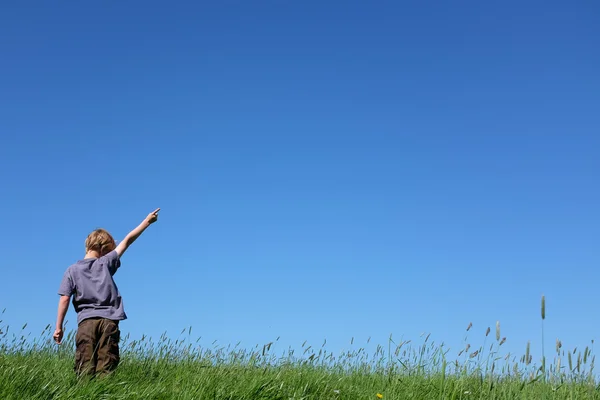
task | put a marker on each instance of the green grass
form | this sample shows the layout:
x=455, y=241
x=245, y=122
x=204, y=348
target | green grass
x=38, y=369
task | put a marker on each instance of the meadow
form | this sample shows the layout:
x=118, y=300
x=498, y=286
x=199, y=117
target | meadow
x=35, y=368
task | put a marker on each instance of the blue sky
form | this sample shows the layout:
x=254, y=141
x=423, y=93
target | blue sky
x=325, y=170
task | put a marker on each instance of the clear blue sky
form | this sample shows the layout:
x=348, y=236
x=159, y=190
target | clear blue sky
x=325, y=171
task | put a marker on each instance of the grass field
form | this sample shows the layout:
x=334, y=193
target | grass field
x=167, y=369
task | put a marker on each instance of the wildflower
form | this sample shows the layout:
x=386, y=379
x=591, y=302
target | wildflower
x=379, y=396
x=336, y=391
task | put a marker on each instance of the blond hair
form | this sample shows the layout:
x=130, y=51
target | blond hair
x=101, y=241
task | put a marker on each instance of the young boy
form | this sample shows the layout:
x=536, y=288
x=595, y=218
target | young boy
x=96, y=300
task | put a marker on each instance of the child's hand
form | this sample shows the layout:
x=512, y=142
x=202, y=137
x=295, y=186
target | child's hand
x=58, y=335
x=153, y=216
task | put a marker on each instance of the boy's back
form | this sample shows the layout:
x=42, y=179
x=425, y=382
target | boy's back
x=94, y=291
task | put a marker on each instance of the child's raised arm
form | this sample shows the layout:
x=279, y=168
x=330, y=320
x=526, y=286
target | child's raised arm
x=134, y=234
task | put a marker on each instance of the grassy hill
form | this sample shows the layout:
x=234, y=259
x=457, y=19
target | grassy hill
x=38, y=369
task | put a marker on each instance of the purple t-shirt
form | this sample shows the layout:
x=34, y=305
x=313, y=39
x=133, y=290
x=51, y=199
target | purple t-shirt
x=94, y=291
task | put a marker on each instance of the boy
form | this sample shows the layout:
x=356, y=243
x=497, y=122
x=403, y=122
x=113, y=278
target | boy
x=96, y=300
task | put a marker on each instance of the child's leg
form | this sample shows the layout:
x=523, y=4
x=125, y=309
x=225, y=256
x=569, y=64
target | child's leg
x=108, y=346
x=86, y=342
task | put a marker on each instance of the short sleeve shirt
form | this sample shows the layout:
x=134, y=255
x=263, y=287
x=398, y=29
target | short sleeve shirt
x=95, y=293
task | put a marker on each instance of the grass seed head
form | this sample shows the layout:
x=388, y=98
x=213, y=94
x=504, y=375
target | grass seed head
x=497, y=330
x=543, y=307
x=570, y=362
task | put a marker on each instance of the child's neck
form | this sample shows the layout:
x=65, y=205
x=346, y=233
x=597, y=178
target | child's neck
x=92, y=254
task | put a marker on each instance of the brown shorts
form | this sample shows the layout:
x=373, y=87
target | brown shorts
x=97, y=342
